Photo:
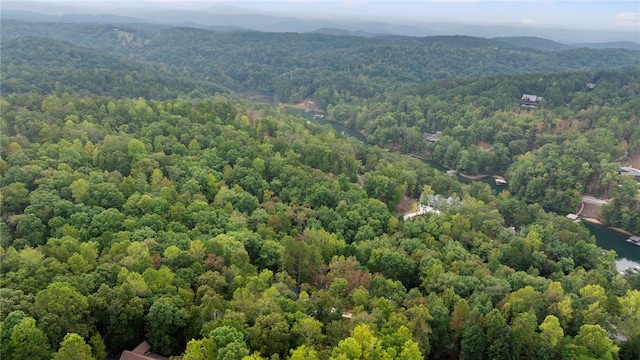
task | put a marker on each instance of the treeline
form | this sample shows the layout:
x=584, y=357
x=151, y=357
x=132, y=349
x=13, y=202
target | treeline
x=218, y=230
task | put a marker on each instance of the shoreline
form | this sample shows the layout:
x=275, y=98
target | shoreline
x=473, y=177
x=600, y=223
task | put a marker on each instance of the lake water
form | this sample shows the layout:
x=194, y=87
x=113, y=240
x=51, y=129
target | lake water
x=628, y=255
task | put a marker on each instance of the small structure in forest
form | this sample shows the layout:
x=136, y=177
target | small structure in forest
x=626, y=170
x=141, y=352
x=530, y=101
x=591, y=86
x=573, y=217
x=432, y=137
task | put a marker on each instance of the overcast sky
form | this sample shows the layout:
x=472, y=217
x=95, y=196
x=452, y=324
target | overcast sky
x=586, y=14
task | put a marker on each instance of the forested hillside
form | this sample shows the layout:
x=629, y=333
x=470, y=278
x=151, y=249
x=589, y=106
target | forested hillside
x=553, y=155
x=293, y=67
x=246, y=231
x=47, y=66
x=143, y=199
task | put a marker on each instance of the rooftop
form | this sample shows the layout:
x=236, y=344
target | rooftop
x=141, y=352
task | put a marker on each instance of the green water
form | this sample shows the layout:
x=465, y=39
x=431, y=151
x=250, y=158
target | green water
x=628, y=255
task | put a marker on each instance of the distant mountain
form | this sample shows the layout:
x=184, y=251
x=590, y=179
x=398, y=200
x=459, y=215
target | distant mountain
x=41, y=7
x=629, y=45
x=295, y=66
x=223, y=16
x=533, y=42
x=69, y=18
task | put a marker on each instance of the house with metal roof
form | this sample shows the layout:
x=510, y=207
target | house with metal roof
x=530, y=101
x=626, y=170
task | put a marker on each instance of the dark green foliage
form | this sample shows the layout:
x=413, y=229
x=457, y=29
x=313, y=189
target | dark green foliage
x=164, y=324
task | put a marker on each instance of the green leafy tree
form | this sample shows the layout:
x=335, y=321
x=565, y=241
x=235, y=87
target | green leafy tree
x=73, y=346
x=61, y=309
x=228, y=343
x=309, y=331
x=551, y=330
x=473, y=344
x=80, y=190
x=271, y=334
x=303, y=353
x=31, y=228
x=121, y=312
x=12, y=319
x=592, y=341
x=15, y=197
x=203, y=349
x=630, y=313
x=27, y=342
x=165, y=322
x=98, y=348
x=525, y=338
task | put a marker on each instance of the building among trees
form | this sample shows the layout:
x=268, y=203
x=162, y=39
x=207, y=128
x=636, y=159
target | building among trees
x=625, y=170
x=530, y=101
x=141, y=352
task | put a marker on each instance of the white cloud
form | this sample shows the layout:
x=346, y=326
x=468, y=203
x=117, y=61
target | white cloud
x=627, y=20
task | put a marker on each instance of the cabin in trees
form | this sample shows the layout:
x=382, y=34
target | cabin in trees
x=432, y=137
x=623, y=170
x=141, y=352
x=530, y=101
x=591, y=86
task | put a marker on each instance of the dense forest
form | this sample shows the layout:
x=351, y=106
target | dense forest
x=571, y=146
x=143, y=198
x=293, y=67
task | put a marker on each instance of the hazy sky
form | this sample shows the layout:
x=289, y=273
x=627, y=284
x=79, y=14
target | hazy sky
x=588, y=14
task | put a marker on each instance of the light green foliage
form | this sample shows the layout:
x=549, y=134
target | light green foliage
x=14, y=197
x=73, y=346
x=551, y=331
x=303, y=353
x=27, y=342
x=203, y=349
x=630, y=313
x=80, y=190
x=592, y=341
x=411, y=351
x=136, y=149
x=348, y=348
x=525, y=337
x=309, y=330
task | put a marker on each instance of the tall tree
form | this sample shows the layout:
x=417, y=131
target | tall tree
x=61, y=309
x=165, y=322
x=27, y=342
x=73, y=347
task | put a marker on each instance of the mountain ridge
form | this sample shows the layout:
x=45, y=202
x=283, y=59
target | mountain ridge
x=224, y=15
